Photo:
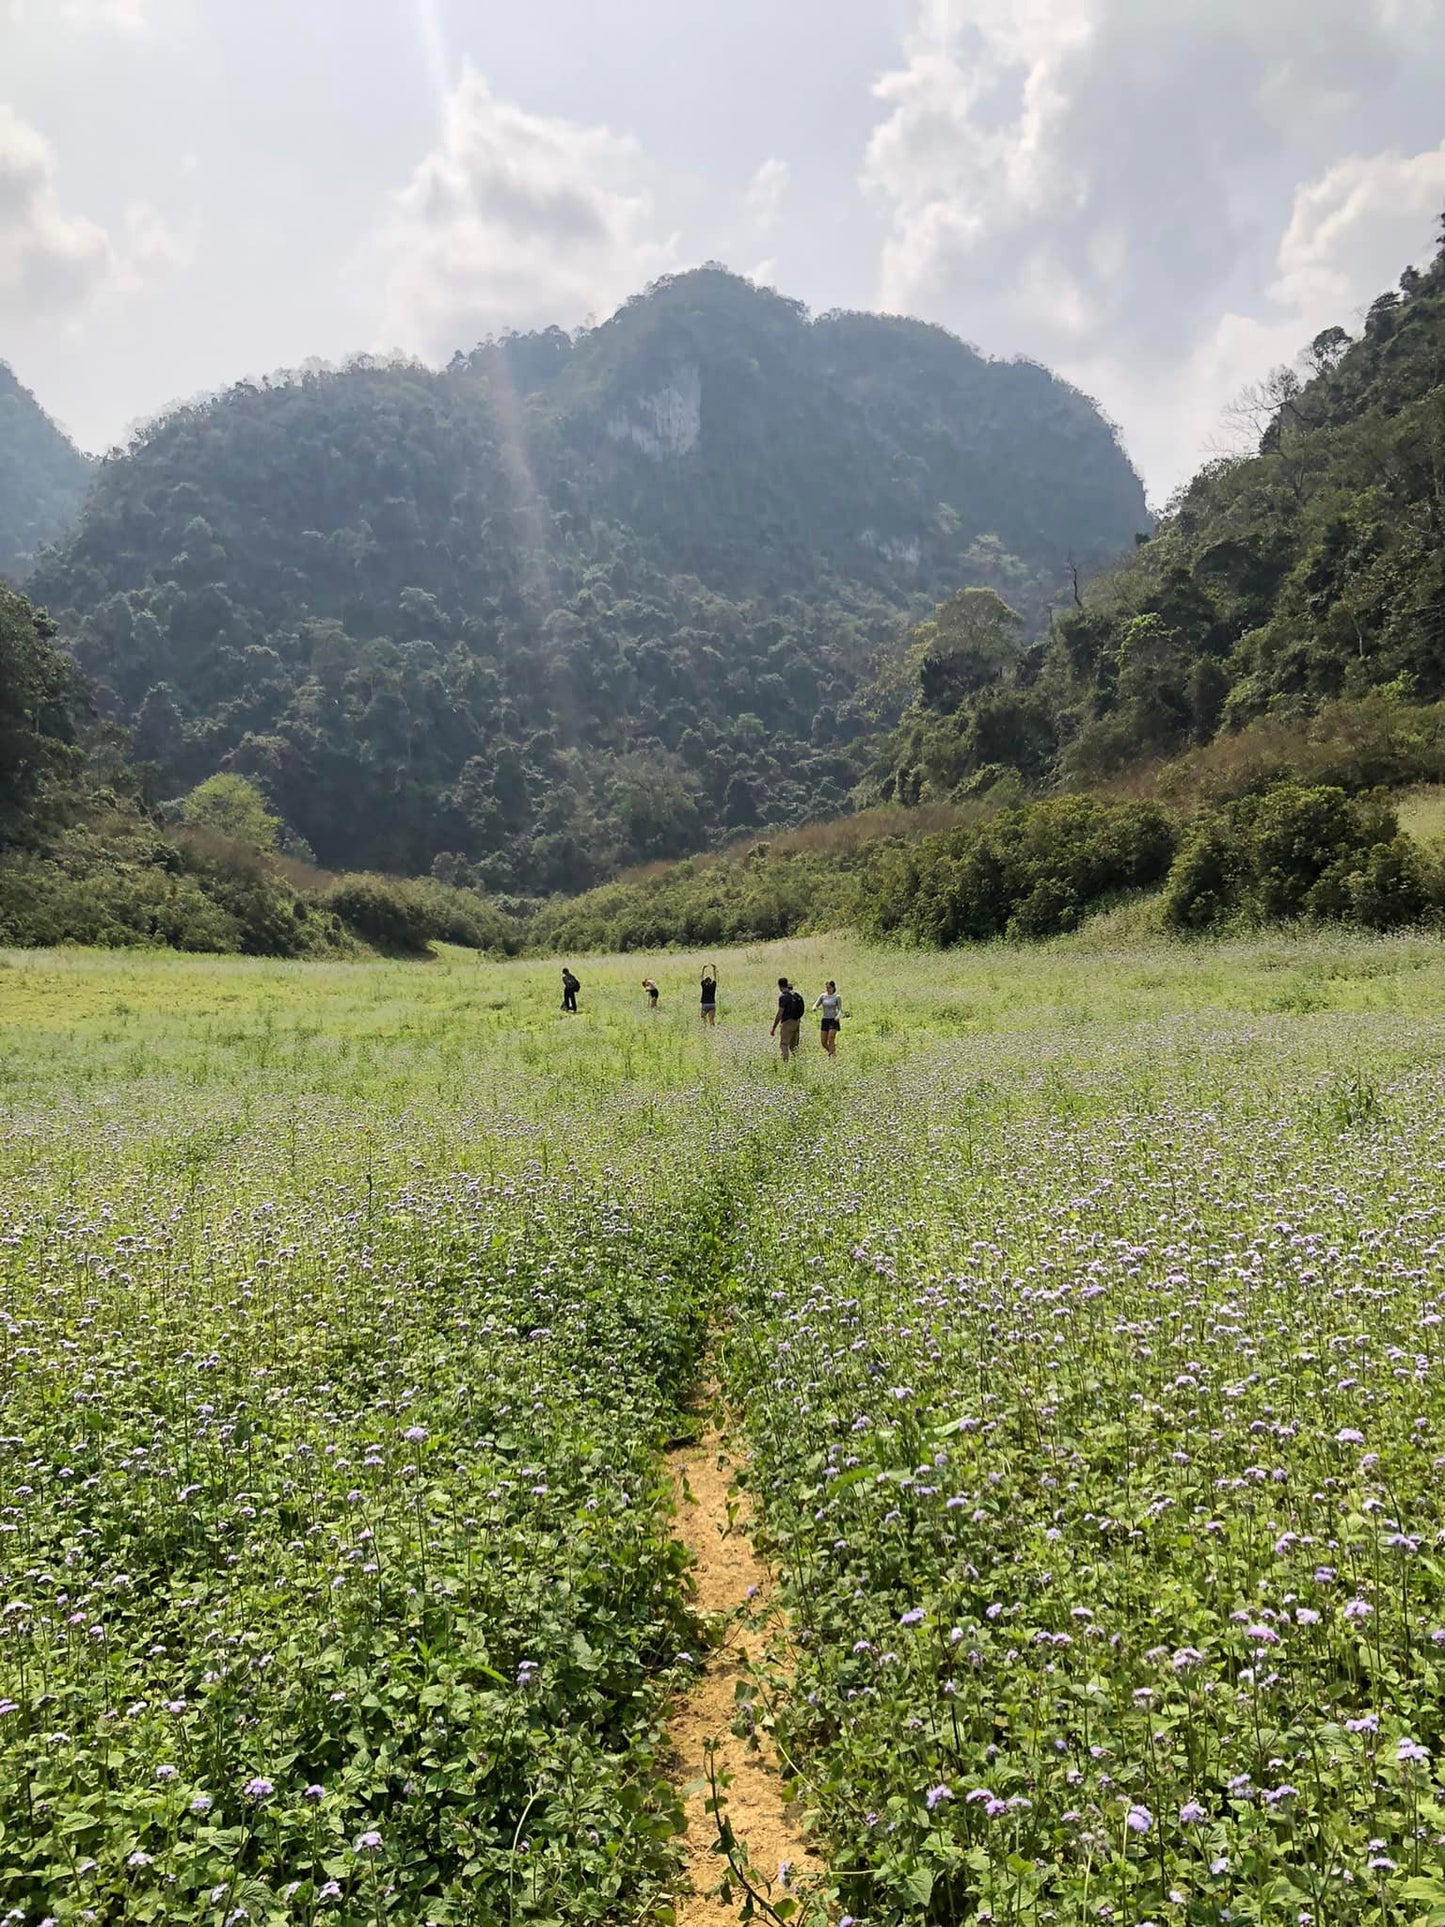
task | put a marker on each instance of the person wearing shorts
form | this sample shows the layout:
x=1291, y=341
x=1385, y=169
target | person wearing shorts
x=653, y=993
x=788, y=1020
x=831, y=1005
x=709, y=994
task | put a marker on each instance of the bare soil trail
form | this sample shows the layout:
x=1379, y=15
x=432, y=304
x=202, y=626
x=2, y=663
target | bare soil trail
x=729, y=1576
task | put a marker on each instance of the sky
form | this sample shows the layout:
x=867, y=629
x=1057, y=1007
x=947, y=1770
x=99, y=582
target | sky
x=1160, y=199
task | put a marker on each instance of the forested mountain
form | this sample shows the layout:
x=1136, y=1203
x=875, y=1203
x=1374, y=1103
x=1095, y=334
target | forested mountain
x=1310, y=571
x=43, y=478
x=573, y=601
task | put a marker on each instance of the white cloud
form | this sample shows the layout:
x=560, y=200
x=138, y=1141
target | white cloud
x=1349, y=236
x=1353, y=230
x=517, y=219
x=1139, y=192
x=150, y=251
x=53, y=262
x=766, y=192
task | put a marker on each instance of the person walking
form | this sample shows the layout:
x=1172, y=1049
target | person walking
x=653, y=993
x=709, y=993
x=788, y=1019
x=831, y=1005
x=570, y=986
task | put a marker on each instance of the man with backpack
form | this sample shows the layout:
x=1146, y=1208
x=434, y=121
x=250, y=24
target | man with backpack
x=789, y=1016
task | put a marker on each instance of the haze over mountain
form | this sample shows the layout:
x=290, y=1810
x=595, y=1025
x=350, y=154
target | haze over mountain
x=43, y=478
x=572, y=601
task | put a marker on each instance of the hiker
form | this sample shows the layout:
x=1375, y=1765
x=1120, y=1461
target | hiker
x=789, y=1016
x=653, y=993
x=570, y=986
x=709, y=993
x=831, y=1005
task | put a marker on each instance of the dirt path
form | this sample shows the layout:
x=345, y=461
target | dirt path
x=728, y=1574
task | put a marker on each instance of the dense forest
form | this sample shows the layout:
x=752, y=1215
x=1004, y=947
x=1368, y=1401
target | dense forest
x=43, y=479
x=84, y=860
x=1307, y=573
x=574, y=601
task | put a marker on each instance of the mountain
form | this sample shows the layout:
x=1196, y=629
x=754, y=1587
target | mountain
x=574, y=601
x=747, y=442
x=43, y=478
x=1306, y=574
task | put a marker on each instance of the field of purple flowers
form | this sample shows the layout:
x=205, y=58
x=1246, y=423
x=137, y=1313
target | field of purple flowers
x=1099, y=1422
x=1085, y=1317
x=342, y=1318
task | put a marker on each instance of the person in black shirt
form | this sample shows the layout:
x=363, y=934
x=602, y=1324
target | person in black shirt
x=788, y=1019
x=570, y=986
x=709, y=994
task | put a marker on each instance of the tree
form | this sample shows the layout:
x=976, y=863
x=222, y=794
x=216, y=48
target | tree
x=235, y=808
x=965, y=644
x=40, y=699
x=1326, y=350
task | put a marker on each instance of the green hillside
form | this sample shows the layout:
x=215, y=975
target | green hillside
x=1309, y=572
x=43, y=478
x=572, y=602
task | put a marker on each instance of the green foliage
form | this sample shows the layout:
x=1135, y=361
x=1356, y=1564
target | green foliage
x=1030, y=872
x=43, y=479
x=570, y=603
x=112, y=878
x=1308, y=573
x=702, y=901
x=1295, y=852
x=1358, y=743
x=968, y=642
x=402, y=915
x=40, y=699
x=808, y=880
x=235, y=808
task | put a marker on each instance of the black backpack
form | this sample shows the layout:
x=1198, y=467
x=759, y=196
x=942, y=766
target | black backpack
x=793, y=1005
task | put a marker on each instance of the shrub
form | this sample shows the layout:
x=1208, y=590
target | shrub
x=1297, y=852
x=114, y=879
x=405, y=914
x=1030, y=872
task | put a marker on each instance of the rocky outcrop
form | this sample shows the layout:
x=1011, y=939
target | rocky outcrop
x=666, y=422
